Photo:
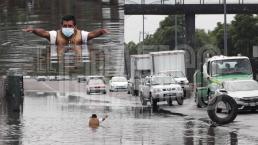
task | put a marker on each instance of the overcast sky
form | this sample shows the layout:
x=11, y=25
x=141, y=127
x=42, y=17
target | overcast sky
x=133, y=24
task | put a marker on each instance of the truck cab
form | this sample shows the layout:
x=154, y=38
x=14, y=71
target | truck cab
x=215, y=71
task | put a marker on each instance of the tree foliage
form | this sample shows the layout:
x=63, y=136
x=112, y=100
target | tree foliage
x=242, y=35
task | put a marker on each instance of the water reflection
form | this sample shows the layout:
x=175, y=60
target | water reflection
x=11, y=128
x=200, y=133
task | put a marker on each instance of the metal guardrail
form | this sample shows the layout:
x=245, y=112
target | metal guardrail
x=173, y=2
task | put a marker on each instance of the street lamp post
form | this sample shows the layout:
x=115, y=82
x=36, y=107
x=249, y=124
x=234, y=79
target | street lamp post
x=175, y=32
x=225, y=29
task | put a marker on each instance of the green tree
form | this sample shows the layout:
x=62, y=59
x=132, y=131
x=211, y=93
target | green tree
x=132, y=47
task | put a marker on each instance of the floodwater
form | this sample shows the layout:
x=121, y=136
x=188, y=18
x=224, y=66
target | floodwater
x=63, y=119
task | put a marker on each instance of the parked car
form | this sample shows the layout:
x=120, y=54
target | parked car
x=41, y=78
x=160, y=88
x=81, y=78
x=244, y=92
x=26, y=77
x=96, y=86
x=118, y=84
x=52, y=78
x=95, y=77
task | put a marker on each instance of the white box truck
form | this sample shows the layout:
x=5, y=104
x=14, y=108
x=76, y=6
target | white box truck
x=171, y=63
x=140, y=68
x=163, y=61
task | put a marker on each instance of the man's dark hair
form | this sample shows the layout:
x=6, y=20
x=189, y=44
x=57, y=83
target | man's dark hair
x=94, y=116
x=68, y=18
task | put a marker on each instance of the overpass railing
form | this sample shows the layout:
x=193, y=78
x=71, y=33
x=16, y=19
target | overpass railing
x=173, y=2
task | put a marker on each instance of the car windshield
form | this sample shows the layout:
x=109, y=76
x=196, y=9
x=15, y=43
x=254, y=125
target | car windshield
x=241, y=86
x=176, y=74
x=162, y=81
x=96, y=82
x=230, y=66
x=119, y=79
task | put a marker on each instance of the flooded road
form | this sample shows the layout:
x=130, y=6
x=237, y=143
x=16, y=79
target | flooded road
x=60, y=117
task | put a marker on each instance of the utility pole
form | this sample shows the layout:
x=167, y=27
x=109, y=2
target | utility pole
x=225, y=29
x=143, y=2
x=175, y=32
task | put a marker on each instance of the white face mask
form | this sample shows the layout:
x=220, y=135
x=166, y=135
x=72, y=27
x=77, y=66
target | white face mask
x=68, y=32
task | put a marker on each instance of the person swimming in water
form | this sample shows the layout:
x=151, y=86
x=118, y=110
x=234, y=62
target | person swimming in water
x=94, y=121
x=68, y=34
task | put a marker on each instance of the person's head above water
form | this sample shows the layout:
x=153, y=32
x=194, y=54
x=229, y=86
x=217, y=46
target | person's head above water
x=93, y=116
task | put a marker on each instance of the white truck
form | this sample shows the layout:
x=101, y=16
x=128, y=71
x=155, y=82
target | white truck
x=140, y=68
x=171, y=63
x=167, y=60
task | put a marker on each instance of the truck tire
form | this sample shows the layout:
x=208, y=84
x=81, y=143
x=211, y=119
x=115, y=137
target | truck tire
x=180, y=100
x=212, y=109
x=134, y=92
x=143, y=101
x=170, y=102
x=200, y=103
x=154, y=103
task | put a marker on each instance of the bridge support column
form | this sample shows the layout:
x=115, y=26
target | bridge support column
x=190, y=40
x=190, y=29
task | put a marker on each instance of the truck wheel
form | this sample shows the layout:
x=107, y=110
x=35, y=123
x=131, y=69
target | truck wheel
x=180, y=100
x=170, y=102
x=144, y=102
x=200, y=101
x=216, y=112
x=154, y=103
x=134, y=92
x=184, y=93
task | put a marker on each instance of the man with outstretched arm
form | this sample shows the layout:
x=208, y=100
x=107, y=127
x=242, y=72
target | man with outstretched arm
x=69, y=33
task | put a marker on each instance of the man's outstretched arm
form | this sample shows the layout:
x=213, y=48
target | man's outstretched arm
x=97, y=33
x=38, y=31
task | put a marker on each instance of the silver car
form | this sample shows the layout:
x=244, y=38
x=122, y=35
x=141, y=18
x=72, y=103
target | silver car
x=160, y=88
x=244, y=92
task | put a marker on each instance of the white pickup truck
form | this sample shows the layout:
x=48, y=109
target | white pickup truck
x=160, y=88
